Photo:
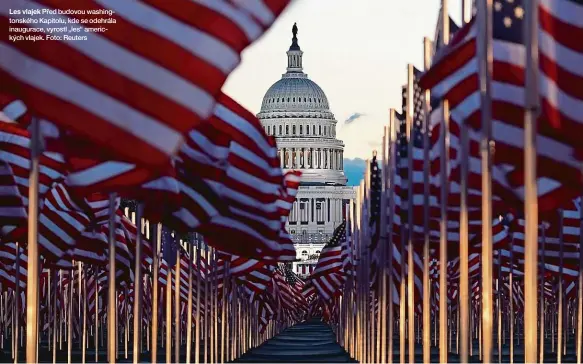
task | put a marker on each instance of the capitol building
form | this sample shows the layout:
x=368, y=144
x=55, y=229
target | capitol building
x=296, y=112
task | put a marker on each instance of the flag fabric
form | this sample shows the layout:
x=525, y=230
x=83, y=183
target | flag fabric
x=329, y=276
x=13, y=110
x=375, y=202
x=169, y=247
x=147, y=81
x=251, y=182
x=561, y=70
x=15, y=168
x=454, y=76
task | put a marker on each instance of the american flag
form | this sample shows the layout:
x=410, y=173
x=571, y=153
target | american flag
x=330, y=257
x=329, y=276
x=148, y=80
x=455, y=76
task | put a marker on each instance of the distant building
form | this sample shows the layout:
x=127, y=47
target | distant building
x=296, y=111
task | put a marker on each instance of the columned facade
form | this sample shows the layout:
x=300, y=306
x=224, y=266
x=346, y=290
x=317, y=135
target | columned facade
x=296, y=112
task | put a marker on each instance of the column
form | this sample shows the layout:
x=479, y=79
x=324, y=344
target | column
x=331, y=157
x=297, y=158
x=281, y=157
x=322, y=158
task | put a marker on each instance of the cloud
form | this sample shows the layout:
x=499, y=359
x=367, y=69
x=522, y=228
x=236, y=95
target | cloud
x=353, y=117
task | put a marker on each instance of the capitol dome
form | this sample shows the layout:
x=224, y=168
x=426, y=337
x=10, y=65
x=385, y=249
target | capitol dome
x=296, y=111
x=293, y=92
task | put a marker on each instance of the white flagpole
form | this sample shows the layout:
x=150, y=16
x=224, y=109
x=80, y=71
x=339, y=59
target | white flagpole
x=155, y=293
x=530, y=184
x=393, y=160
x=426, y=193
x=84, y=340
x=485, y=57
x=16, y=315
x=189, y=305
x=444, y=194
x=197, y=318
x=410, y=230
x=32, y=301
x=96, y=273
x=70, y=314
x=382, y=337
x=560, y=313
x=111, y=304
x=207, y=304
x=580, y=288
x=177, y=306
x=169, y=314
x=542, y=298
x=464, y=296
x=138, y=288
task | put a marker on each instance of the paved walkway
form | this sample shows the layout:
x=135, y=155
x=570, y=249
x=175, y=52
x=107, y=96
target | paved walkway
x=312, y=342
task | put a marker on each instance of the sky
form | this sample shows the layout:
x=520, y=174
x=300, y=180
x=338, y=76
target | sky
x=356, y=50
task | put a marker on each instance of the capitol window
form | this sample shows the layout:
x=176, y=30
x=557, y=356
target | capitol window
x=320, y=129
x=304, y=252
x=308, y=129
x=314, y=129
x=301, y=130
x=280, y=130
x=287, y=129
x=294, y=129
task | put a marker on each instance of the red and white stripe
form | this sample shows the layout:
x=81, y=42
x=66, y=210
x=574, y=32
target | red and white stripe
x=561, y=70
x=147, y=81
x=245, y=169
x=15, y=155
x=455, y=77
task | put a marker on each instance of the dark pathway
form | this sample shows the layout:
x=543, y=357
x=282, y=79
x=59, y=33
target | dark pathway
x=312, y=342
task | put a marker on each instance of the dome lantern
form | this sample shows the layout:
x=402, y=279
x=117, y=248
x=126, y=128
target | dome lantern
x=294, y=54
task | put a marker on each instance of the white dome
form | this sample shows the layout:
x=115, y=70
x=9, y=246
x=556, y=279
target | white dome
x=296, y=112
x=295, y=92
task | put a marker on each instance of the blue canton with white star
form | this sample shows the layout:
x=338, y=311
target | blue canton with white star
x=508, y=16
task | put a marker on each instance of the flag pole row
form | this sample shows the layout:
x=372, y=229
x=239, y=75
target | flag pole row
x=450, y=261
x=212, y=311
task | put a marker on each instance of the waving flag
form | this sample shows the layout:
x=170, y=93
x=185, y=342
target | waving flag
x=169, y=247
x=147, y=81
x=454, y=76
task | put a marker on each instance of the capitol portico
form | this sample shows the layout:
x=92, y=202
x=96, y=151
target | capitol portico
x=296, y=112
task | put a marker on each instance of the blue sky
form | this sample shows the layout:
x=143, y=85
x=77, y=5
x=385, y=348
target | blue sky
x=356, y=50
